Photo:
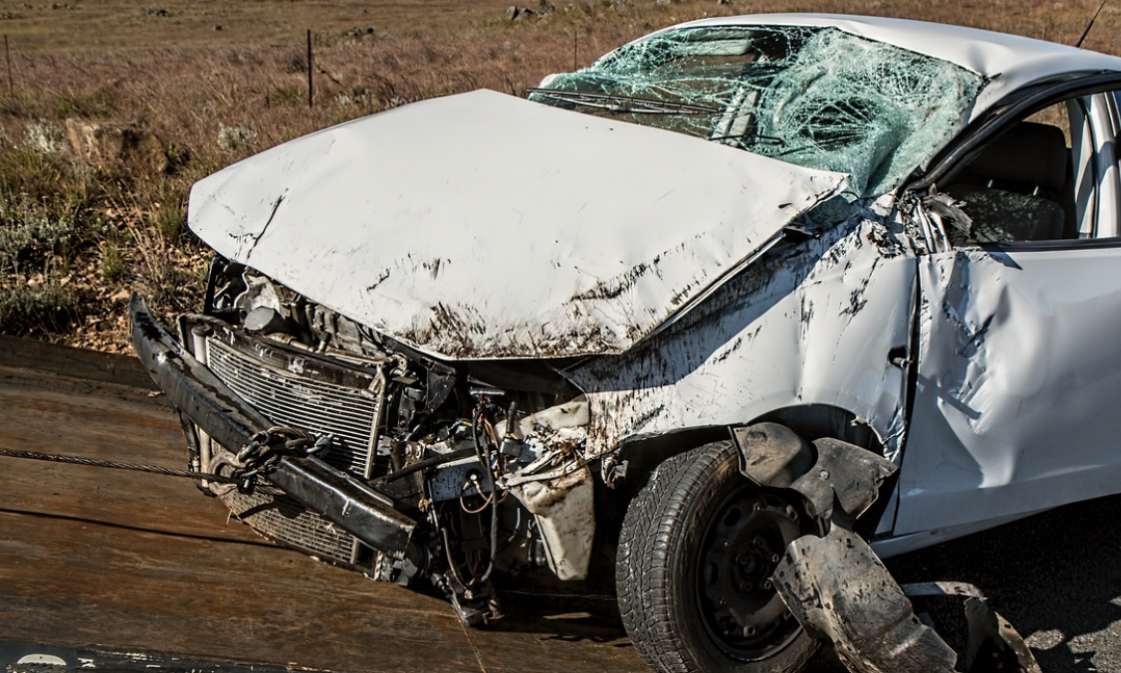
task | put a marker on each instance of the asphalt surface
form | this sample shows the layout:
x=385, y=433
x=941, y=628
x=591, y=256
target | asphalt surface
x=123, y=571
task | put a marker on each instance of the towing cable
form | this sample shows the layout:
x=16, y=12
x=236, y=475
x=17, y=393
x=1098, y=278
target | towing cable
x=258, y=457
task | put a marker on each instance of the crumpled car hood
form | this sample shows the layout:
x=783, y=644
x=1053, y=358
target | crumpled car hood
x=487, y=226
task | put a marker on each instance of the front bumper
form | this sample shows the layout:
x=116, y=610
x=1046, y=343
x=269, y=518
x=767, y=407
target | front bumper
x=232, y=422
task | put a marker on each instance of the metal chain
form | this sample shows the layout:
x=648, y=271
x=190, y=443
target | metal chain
x=265, y=449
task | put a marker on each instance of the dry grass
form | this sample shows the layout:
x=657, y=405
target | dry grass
x=74, y=240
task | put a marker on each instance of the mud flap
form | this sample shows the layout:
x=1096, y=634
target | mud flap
x=837, y=587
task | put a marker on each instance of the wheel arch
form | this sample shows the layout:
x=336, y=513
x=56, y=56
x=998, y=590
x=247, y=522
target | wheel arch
x=642, y=453
x=639, y=455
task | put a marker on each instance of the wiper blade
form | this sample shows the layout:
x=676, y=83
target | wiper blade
x=751, y=138
x=626, y=104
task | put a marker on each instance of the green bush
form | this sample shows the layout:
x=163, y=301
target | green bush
x=48, y=308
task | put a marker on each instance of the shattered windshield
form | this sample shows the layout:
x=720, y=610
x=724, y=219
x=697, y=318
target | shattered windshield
x=811, y=96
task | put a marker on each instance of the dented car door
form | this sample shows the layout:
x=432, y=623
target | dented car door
x=1019, y=367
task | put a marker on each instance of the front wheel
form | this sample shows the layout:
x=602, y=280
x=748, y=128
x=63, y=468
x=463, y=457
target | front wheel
x=697, y=549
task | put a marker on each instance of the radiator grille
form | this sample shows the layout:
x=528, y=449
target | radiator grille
x=349, y=413
x=285, y=398
x=280, y=518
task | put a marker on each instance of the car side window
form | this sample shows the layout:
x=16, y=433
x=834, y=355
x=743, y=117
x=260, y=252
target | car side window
x=1028, y=184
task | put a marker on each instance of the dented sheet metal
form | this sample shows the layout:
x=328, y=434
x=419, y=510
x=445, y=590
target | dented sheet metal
x=815, y=325
x=839, y=589
x=1017, y=378
x=485, y=226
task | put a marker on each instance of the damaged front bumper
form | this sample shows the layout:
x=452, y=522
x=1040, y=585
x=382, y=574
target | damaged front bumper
x=226, y=418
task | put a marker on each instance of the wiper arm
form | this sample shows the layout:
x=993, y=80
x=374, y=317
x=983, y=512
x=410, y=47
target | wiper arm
x=627, y=104
x=751, y=138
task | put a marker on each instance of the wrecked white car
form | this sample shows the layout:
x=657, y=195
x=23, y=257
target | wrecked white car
x=737, y=308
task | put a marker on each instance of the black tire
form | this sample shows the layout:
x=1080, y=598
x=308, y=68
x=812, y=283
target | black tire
x=697, y=546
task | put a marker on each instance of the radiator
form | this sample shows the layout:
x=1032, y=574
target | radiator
x=342, y=401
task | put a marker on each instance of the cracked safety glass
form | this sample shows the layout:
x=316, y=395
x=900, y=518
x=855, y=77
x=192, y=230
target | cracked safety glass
x=811, y=96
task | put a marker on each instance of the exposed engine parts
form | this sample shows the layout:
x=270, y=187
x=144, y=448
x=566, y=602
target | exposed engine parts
x=446, y=445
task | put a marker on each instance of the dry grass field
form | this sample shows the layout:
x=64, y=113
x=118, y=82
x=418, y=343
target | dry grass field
x=217, y=80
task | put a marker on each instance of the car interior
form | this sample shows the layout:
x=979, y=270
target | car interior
x=1050, y=177
x=1020, y=188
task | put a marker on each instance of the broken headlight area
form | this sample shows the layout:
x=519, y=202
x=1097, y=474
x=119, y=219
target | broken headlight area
x=486, y=458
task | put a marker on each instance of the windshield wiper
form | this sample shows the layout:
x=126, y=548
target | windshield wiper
x=751, y=138
x=626, y=104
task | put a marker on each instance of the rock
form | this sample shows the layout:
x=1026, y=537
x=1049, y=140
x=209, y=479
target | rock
x=116, y=146
x=515, y=13
x=359, y=31
x=546, y=7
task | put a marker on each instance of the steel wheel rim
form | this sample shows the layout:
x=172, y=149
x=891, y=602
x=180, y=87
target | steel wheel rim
x=741, y=613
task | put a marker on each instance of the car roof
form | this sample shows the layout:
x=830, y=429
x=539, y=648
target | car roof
x=1007, y=61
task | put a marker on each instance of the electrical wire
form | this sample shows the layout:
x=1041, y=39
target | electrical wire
x=484, y=454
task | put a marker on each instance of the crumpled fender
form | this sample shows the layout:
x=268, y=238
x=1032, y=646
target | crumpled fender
x=836, y=586
x=826, y=473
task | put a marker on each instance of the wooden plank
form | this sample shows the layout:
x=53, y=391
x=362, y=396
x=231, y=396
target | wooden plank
x=86, y=585
x=76, y=362
x=45, y=412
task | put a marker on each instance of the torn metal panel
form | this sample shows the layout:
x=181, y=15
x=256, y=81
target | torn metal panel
x=836, y=586
x=839, y=589
x=554, y=233
x=828, y=472
x=1017, y=379
x=1008, y=62
x=772, y=454
x=811, y=324
x=844, y=475
x=565, y=512
x=992, y=643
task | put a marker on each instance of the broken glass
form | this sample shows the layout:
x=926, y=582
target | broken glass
x=812, y=96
